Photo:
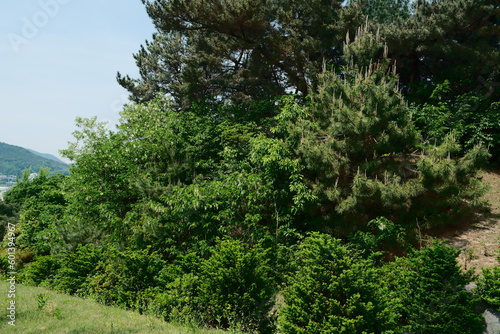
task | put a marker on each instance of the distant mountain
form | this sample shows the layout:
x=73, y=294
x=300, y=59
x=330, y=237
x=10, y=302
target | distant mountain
x=46, y=156
x=14, y=160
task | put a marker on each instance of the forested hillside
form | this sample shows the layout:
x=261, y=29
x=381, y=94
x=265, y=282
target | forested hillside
x=14, y=160
x=280, y=169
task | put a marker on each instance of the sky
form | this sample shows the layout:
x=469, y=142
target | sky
x=58, y=61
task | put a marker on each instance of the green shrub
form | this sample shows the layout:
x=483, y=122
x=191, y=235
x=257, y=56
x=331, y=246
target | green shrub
x=124, y=278
x=235, y=286
x=76, y=267
x=333, y=291
x=4, y=265
x=383, y=240
x=177, y=301
x=232, y=288
x=488, y=286
x=43, y=269
x=426, y=288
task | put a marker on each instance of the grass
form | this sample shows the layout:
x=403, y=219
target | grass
x=39, y=310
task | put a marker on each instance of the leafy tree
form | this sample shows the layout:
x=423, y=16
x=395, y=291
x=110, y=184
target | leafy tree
x=447, y=55
x=472, y=118
x=42, y=207
x=100, y=191
x=252, y=49
x=178, y=180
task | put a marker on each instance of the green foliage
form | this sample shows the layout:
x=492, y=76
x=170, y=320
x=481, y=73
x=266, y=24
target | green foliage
x=184, y=209
x=427, y=290
x=244, y=50
x=101, y=175
x=235, y=286
x=361, y=153
x=177, y=181
x=333, y=291
x=488, y=286
x=8, y=214
x=232, y=288
x=384, y=239
x=76, y=269
x=4, y=265
x=43, y=269
x=472, y=118
x=42, y=300
x=176, y=302
x=43, y=206
x=26, y=189
x=447, y=39
x=121, y=278
x=384, y=11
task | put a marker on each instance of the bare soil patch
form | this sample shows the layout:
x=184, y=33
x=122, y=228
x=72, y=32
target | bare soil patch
x=479, y=241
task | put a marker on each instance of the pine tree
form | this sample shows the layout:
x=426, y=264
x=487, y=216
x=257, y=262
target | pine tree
x=446, y=39
x=242, y=50
x=247, y=50
x=362, y=153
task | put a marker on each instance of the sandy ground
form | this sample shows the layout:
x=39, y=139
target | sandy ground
x=480, y=241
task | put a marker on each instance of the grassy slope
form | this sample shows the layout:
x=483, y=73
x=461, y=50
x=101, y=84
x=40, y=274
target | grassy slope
x=65, y=314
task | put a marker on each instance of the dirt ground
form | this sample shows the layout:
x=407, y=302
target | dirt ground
x=480, y=241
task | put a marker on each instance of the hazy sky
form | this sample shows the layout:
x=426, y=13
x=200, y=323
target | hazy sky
x=58, y=60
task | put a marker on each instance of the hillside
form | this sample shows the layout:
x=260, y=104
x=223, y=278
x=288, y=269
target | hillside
x=46, y=156
x=15, y=159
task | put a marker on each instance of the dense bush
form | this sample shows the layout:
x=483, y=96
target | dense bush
x=427, y=290
x=333, y=291
x=122, y=278
x=8, y=214
x=488, y=286
x=42, y=270
x=236, y=286
x=43, y=206
x=4, y=265
x=232, y=288
x=76, y=268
